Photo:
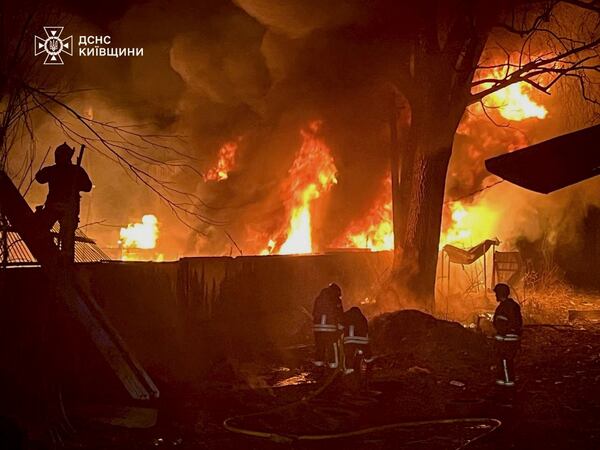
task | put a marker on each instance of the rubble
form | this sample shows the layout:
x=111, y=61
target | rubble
x=415, y=338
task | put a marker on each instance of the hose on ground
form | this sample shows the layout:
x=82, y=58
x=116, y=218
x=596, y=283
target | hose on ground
x=287, y=438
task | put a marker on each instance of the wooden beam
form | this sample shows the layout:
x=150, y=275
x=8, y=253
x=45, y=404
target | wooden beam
x=70, y=291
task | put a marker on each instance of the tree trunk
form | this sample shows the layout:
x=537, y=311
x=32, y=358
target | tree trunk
x=395, y=152
x=438, y=92
x=424, y=163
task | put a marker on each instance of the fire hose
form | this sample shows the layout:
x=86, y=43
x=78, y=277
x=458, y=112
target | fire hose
x=287, y=438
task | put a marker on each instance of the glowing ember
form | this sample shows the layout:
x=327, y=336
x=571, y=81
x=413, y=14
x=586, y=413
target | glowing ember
x=139, y=236
x=375, y=229
x=225, y=164
x=312, y=174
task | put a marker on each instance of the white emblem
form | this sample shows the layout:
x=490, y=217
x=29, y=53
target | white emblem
x=53, y=46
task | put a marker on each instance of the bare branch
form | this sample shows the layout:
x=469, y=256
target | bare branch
x=535, y=68
x=99, y=142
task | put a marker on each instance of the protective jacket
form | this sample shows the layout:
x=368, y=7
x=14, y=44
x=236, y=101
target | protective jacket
x=65, y=182
x=327, y=312
x=356, y=327
x=508, y=321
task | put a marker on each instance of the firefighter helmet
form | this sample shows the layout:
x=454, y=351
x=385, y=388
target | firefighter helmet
x=335, y=289
x=63, y=153
x=502, y=290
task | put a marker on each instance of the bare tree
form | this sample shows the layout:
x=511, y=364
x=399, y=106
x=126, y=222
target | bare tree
x=28, y=93
x=463, y=52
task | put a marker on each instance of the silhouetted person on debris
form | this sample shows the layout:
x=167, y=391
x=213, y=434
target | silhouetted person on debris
x=508, y=323
x=65, y=182
x=327, y=326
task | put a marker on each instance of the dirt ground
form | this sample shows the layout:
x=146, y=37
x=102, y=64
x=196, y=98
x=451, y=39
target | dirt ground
x=427, y=369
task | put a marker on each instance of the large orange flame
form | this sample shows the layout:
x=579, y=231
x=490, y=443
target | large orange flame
x=312, y=174
x=468, y=225
x=465, y=224
x=375, y=229
x=512, y=102
x=139, y=236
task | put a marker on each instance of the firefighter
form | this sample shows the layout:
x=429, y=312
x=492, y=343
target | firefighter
x=356, y=341
x=327, y=317
x=65, y=182
x=508, y=324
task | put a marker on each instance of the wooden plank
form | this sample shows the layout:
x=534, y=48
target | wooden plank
x=21, y=217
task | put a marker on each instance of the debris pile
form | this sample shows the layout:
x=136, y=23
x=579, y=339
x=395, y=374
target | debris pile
x=411, y=338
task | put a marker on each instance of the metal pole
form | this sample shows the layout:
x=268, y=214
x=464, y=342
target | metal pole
x=484, y=273
x=493, y=266
x=447, y=296
x=448, y=274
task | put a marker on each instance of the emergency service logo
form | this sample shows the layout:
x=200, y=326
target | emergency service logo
x=53, y=45
x=95, y=46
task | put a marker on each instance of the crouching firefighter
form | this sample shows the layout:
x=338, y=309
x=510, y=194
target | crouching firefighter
x=508, y=323
x=327, y=318
x=357, y=350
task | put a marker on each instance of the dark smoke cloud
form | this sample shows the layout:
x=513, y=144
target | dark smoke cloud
x=214, y=71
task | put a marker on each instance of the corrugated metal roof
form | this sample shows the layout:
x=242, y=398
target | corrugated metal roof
x=86, y=249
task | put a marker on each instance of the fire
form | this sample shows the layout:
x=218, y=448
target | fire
x=139, y=236
x=375, y=229
x=225, y=163
x=270, y=247
x=469, y=224
x=465, y=225
x=513, y=102
x=312, y=174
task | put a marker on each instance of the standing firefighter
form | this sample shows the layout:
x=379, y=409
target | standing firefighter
x=65, y=182
x=327, y=319
x=508, y=324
